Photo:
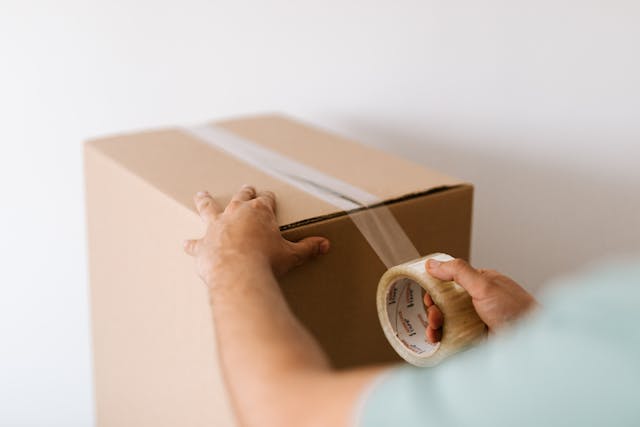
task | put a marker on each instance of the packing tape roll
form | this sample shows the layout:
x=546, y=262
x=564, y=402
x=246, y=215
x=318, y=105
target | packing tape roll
x=403, y=325
x=404, y=319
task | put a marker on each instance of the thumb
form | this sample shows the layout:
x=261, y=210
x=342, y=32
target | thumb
x=461, y=272
x=309, y=247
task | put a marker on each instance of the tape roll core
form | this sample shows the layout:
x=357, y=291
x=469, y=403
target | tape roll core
x=407, y=315
x=385, y=235
x=403, y=316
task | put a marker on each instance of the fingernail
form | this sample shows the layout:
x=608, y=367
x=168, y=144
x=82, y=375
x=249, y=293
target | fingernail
x=433, y=264
x=324, y=247
x=202, y=193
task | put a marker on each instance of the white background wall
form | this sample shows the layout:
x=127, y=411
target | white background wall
x=537, y=103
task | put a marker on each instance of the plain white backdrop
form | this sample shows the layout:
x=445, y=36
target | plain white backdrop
x=537, y=103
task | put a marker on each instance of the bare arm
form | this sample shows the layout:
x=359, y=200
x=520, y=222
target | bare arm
x=276, y=373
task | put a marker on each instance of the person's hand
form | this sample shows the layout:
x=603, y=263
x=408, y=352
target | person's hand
x=246, y=234
x=498, y=300
x=434, y=320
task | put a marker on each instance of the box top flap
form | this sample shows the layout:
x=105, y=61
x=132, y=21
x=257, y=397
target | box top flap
x=179, y=164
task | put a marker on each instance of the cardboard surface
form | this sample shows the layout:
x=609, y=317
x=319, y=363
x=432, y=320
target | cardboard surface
x=154, y=345
x=177, y=164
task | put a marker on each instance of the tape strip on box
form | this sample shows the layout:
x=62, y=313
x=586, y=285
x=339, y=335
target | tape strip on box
x=400, y=291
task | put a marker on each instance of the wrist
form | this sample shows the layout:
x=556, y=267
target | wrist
x=232, y=267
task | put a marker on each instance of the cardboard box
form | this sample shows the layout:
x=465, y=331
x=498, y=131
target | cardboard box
x=154, y=347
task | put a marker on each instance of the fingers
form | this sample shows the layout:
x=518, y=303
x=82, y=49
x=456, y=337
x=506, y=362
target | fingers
x=245, y=194
x=190, y=247
x=248, y=193
x=434, y=315
x=308, y=248
x=435, y=320
x=206, y=206
x=433, y=335
x=269, y=199
x=209, y=211
x=461, y=272
x=428, y=302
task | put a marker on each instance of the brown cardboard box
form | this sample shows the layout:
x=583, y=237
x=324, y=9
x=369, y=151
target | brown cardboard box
x=153, y=338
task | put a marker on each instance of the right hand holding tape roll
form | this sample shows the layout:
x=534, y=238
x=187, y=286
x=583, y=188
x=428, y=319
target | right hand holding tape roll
x=404, y=318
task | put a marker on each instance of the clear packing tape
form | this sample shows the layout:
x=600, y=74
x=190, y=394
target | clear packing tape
x=404, y=319
x=400, y=290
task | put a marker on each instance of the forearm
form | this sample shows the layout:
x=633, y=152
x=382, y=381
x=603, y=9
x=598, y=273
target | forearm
x=276, y=373
x=265, y=352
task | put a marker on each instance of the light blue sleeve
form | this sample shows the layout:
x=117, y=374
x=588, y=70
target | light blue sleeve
x=576, y=362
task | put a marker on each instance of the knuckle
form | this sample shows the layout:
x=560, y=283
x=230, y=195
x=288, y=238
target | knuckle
x=489, y=272
x=234, y=204
x=459, y=264
x=190, y=247
x=258, y=204
x=298, y=259
x=297, y=255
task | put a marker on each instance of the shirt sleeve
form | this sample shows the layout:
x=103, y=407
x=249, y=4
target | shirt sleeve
x=574, y=362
